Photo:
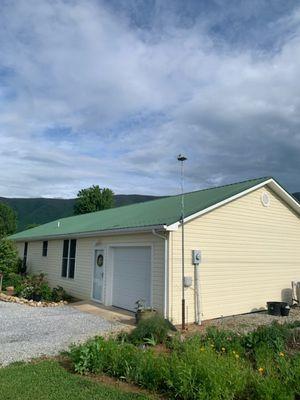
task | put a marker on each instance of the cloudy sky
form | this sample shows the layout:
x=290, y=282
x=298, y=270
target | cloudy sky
x=109, y=92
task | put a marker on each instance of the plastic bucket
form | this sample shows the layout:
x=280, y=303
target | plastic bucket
x=275, y=307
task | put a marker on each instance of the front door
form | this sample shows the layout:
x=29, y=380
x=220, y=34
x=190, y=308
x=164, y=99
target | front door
x=98, y=276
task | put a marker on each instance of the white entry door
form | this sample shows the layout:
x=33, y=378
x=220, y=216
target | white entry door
x=131, y=276
x=98, y=276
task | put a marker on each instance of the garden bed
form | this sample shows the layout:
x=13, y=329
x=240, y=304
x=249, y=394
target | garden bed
x=32, y=290
x=218, y=364
x=31, y=303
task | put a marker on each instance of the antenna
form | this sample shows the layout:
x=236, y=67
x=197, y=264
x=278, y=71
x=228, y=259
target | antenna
x=181, y=158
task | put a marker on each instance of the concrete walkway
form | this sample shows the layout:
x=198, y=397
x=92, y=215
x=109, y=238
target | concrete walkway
x=112, y=314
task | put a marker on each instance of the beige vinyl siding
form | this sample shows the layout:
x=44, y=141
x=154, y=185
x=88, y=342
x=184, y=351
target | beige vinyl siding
x=250, y=255
x=81, y=285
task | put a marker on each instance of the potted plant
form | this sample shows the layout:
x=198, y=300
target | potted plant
x=143, y=312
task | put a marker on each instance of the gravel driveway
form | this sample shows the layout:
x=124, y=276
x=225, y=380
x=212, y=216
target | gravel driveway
x=28, y=332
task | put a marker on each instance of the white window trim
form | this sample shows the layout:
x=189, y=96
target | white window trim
x=99, y=248
x=68, y=258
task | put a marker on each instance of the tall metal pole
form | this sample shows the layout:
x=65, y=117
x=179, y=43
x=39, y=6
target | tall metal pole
x=181, y=159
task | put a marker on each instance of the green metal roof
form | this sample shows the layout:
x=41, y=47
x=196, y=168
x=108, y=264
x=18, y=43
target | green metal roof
x=165, y=211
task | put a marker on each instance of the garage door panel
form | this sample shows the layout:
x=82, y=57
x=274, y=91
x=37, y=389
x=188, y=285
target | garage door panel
x=131, y=276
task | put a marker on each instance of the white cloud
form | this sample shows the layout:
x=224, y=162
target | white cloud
x=132, y=99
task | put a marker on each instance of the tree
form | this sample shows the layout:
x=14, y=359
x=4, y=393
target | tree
x=8, y=220
x=9, y=259
x=93, y=199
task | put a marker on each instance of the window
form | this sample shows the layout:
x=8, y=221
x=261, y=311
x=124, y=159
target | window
x=24, y=263
x=68, y=259
x=45, y=248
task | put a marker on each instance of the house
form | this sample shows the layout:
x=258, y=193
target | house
x=248, y=234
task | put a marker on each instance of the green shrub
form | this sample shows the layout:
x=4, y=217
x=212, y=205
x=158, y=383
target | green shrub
x=154, y=328
x=59, y=294
x=274, y=336
x=34, y=286
x=265, y=388
x=9, y=260
x=202, y=373
x=14, y=280
x=222, y=339
x=195, y=374
x=45, y=291
x=99, y=355
x=294, y=374
x=218, y=365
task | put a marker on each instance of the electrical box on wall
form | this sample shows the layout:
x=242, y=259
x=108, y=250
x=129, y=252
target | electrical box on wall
x=196, y=256
x=188, y=281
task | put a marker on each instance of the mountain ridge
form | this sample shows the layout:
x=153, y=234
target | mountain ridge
x=40, y=210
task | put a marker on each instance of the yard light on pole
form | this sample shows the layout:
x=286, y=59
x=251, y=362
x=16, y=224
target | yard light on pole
x=181, y=158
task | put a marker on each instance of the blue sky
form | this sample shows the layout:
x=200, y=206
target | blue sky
x=109, y=92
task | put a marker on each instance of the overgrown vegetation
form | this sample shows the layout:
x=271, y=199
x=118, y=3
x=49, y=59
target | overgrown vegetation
x=35, y=287
x=9, y=259
x=151, y=330
x=217, y=365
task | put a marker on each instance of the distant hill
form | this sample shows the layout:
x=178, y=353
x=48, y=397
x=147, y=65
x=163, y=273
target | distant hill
x=42, y=210
x=297, y=195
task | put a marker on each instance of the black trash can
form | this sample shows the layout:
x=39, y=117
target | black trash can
x=276, y=307
x=285, y=310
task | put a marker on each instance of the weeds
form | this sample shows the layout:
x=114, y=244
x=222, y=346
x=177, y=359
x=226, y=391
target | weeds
x=218, y=365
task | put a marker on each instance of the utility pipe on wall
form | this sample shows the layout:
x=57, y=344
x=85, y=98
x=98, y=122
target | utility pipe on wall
x=197, y=289
x=165, y=271
x=196, y=255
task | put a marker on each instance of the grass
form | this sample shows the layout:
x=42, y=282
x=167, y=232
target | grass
x=48, y=380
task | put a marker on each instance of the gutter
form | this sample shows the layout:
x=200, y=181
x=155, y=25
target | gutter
x=108, y=232
x=165, y=238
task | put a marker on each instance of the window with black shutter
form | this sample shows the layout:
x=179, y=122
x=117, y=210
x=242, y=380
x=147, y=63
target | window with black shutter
x=24, y=264
x=45, y=248
x=68, y=259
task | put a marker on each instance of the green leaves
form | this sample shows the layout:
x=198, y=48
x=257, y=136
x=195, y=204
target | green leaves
x=9, y=259
x=219, y=365
x=93, y=199
x=8, y=220
x=151, y=330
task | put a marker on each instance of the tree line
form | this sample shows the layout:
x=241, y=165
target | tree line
x=88, y=200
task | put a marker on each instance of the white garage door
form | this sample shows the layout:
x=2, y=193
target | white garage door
x=131, y=276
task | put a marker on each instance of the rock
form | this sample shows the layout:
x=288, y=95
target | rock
x=31, y=303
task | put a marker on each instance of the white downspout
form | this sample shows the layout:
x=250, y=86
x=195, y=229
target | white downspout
x=165, y=238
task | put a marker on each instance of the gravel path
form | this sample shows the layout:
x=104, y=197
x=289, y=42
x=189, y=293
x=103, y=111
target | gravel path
x=248, y=322
x=28, y=332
